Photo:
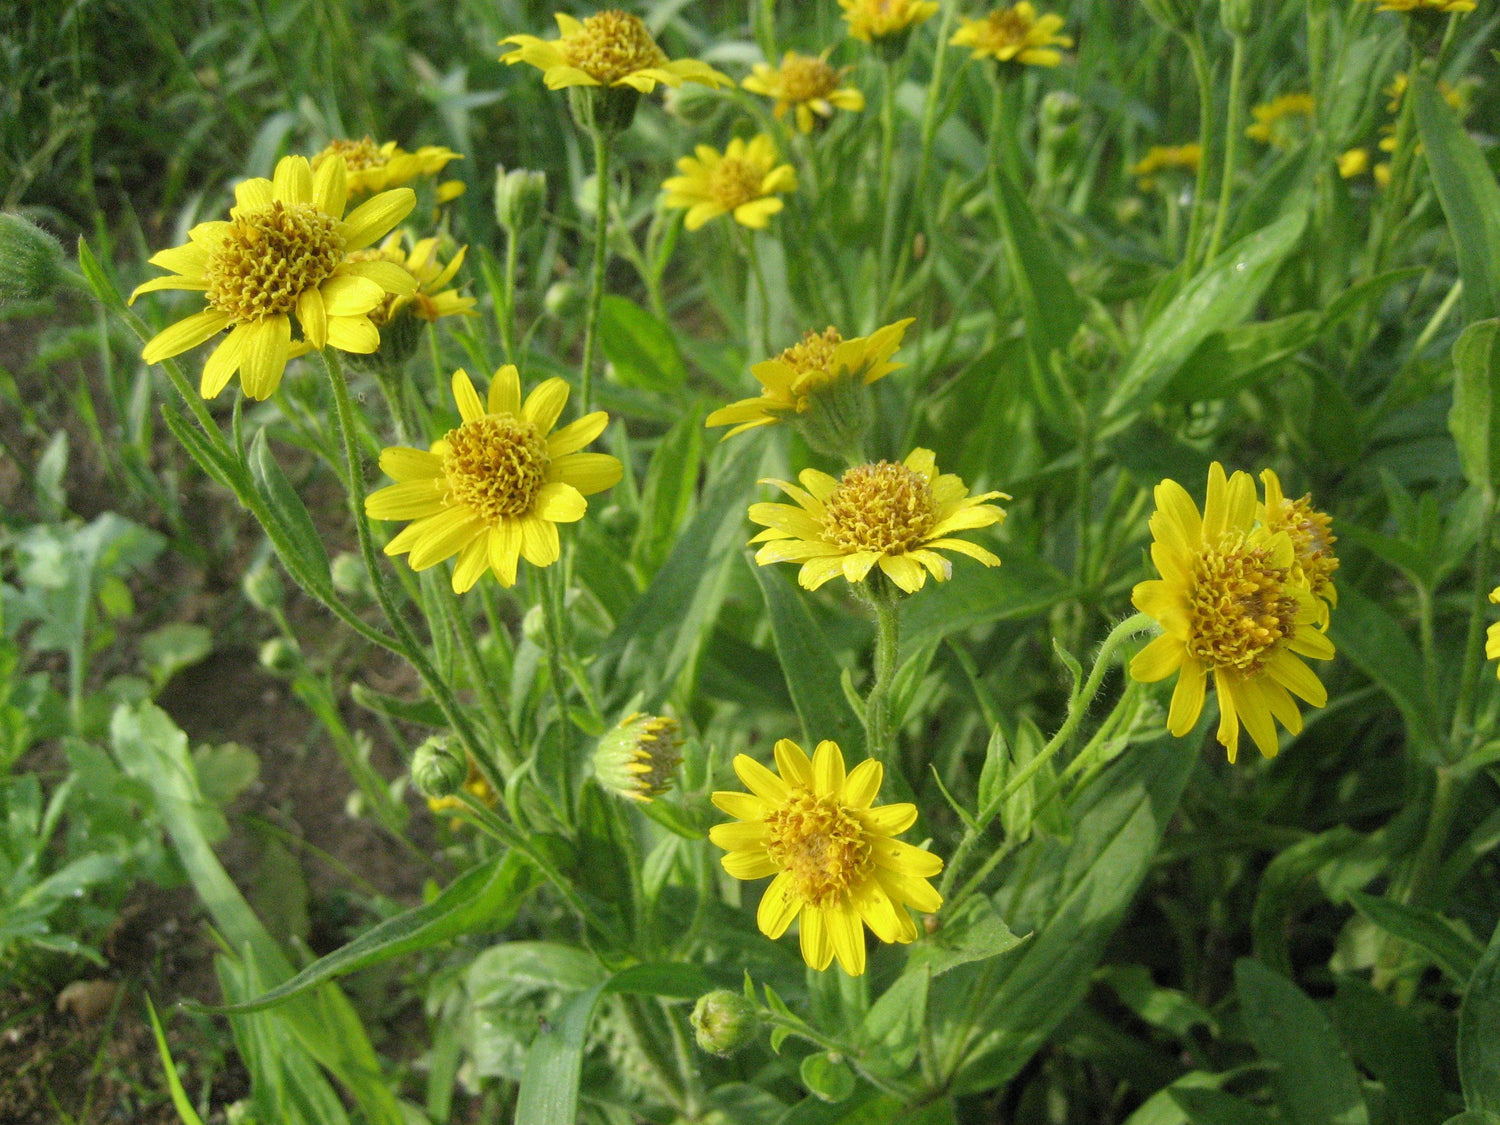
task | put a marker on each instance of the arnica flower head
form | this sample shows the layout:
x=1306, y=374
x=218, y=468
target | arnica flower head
x=1311, y=533
x=609, y=48
x=897, y=515
x=286, y=249
x=639, y=757
x=373, y=167
x=432, y=300
x=742, y=181
x=878, y=19
x=808, y=84
x=1353, y=162
x=1162, y=157
x=1434, y=6
x=1456, y=96
x=1492, y=635
x=1014, y=35
x=834, y=855
x=790, y=380
x=1232, y=603
x=494, y=490
x=1277, y=121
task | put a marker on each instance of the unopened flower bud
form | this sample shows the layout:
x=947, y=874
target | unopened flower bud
x=1174, y=15
x=437, y=769
x=639, y=758
x=282, y=656
x=1237, y=17
x=30, y=260
x=534, y=626
x=563, y=299
x=724, y=1021
x=519, y=196
x=262, y=587
x=349, y=575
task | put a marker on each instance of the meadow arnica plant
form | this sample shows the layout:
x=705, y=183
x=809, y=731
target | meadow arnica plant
x=877, y=19
x=638, y=759
x=609, y=48
x=1311, y=533
x=742, y=181
x=1160, y=158
x=896, y=515
x=834, y=854
x=494, y=490
x=431, y=300
x=1277, y=120
x=373, y=167
x=790, y=380
x=808, y=84
x=1232, y=601
x=1014, y=35
x=287, y=249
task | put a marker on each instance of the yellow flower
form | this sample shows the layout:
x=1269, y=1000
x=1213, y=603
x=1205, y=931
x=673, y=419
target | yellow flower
x=1382, y=174
x=1159, y=157
x=808, y=83
x=494, y=490
x=834, y=854
x=1354, y=162
x=1455, y=96
x=609, y=48
x=375, y=167
x=1272, y=119
x=1425, y=6
x=742, y=180
x=1311, y=533
x=1013, y=35
x=1492, y=635
x=789, y=381
x=896, y=515
x=431, y=300
x=876, y=19
x=476, y=786
x=287, y=247
x=1230, y=602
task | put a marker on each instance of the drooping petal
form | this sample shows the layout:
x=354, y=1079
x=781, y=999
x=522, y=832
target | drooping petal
x=374, y=218
x=224, y=361
x=539, y=542
x=405, y=464
x=265, y=356
x=312, y=315
x=749, y=865
x=588, y=472
x=1187, y=698
x=560, y=503
x=505, y=551
x=746, y=806
x=470, y=408
x=355, y=334
x=473, y=561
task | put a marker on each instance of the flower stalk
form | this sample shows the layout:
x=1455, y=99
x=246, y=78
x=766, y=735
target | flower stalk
x=596, y=273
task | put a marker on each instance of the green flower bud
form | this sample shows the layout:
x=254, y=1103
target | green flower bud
x=1174, y=15
x=563, y=299
x=350, y=577
x=262, y=587
x=30, y=260
x=519, y=196
x=1237, y=17
x=437, y=770
x=281, y=656
x=838, y=417
x=639, y=758
x=724, y=1021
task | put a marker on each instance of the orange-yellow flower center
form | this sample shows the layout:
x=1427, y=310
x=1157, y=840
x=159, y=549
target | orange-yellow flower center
x=734, y=182
x=270, y=257
x=1241, y=606
x=495, y=465
x=805, y=78
x=358, y=155
x=819, y=844
x=611, y=45
x=881, y=507
x=1312, y=538
x=814, y=355
x=1006, y=28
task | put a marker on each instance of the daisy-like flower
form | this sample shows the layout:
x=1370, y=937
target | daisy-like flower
x=808, y=84
x=789, y=381
x=375, y=167
x=834, y=854
x=287, y=248
x=1276, y=121
x=494, y=490
x=1015, y=35
x=1492, y=635
x=877, y=19
x=1425, y=6
x=431, y=300
x=743, y=181
x=1161, y=157
x=895, y=515
x=609, y=48
x=1311, y=533
x=1230, y=601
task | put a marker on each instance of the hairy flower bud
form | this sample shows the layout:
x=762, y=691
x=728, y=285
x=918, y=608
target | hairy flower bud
x=724, y=1021
x=281, y=656
x=30, y=260
x=262, y=587
x=437, y=769
x=639, y=758
x=1237, y=17
x=519, y=196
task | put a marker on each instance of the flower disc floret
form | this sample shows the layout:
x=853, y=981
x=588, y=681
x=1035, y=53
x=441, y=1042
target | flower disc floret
x=819, y=844
x=495, y=465
x=376, y=167
x=1240, y=605
x=611, y=44
x=267, y=259
x=608, y=48
x=881, y=507
x=1437, y=7
x=1311, y=533
x=808, y=84
x=1013, y=35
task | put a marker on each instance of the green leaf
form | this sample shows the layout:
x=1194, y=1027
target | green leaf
x=422, y=711
x=1281, y=885
x=1215, y=1107
x=1450, y=948
x=1366, y=632
x=1479, y=1033
x=1226, y=360
x=1166, y=1008
x=1470, y=197
x=1474, y=1117
x=1162, y=1107
x=667, y=494
x=1218, y=298
x=287, y=509
x=180, y=1100
x=975, y=933
x=992, y=774
x=173, y=647
x=1475, y=418
x=826, y=1077
x=641, y=348
x=1315, y=1082
x=812, y=674
x=1022, y=586
x=211, y=458
x=892, y=1027
x=1391, y=1043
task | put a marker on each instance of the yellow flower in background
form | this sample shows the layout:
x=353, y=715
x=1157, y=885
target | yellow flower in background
x=494, y=490
x=1354, y=162
x=1425, y=6
x=833, y=853
x=1161, y=157
x=609, y=48
x=743, y=181
x=1274, y=120
x=1231, y=601
x=789, y=381
x=894, y=515
x=875, y=19
x=287, y=248
x=1382, y=174
x=476, y=786
x=807, y=83
x=1015, y=35
x=1492, y=635
x=1311, y=533
x=373, y=167
x=1455, y=96
x=431, y=300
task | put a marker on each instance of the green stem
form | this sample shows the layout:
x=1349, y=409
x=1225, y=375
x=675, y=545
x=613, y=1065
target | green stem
x=757, y=328
x=482, y=683
x=887, y=157
x=881, y=738
x=1231, y=149
x=828, y=1043
x=508, y=834
x=1204, y=77
x=553, y=597
x=596, y=274
x=508, y=314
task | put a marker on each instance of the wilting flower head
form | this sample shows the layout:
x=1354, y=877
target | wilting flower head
x=373, y=167
x=789, y=381
x=639, y=757
x=1492, y=635
x=1159, y=157
x=1425, y=6
x=1013, y=35
x=1311, y=533
x=1273, y=119
x=876, y=19
x=431, y=300
x=1232, y=601
x=896, y=515
x=807, y=83
x=609, y=48
x=287, y=248
x=494, y=490
x=742, y=181
x=835, y=857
